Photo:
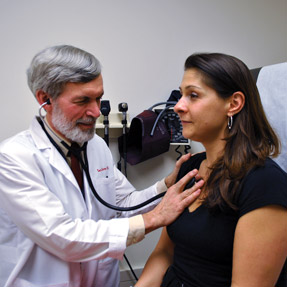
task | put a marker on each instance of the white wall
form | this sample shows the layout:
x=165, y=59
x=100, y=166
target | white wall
x=142, y=46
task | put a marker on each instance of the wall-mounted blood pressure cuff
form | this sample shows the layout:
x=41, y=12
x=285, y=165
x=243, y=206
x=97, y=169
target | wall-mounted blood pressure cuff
x=140, y=144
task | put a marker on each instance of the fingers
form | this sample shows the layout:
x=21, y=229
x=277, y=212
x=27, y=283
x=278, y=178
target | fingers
x=190, y=195
x=197, y=177
x=192, y=188
x=197, y=186
x=171, y=178
x=187, y=178
x=182, y=160
x=174, y=202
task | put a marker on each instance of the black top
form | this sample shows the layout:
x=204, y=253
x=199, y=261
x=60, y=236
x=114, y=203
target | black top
x=204, y=240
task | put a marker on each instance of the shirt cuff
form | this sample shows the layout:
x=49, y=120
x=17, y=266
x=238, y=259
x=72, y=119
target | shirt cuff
x=136, y=230
x=161, y=187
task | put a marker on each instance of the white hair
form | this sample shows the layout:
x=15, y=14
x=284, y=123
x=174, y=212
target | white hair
x=55, y=66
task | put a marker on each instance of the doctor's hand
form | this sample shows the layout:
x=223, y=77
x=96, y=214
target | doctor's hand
x=171, y=178
x=173, y=203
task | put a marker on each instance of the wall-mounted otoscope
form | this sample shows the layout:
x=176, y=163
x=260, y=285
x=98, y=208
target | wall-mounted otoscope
x=105, y=110
x=123, y=108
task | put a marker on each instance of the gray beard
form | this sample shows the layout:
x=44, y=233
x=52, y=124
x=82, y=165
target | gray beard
x=67, y=128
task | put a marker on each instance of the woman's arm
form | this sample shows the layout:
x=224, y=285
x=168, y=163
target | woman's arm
x=260, y=247
x=158, y=262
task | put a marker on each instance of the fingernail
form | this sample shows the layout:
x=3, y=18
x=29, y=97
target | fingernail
x=197, y=192
x=193, y=172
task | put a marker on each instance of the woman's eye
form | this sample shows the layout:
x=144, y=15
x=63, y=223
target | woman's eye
x=193, y=95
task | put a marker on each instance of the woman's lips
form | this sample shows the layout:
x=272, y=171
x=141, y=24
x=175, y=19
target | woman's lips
x=185, y=122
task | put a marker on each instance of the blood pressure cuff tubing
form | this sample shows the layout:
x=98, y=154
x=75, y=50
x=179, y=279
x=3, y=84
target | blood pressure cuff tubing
x=140, y=145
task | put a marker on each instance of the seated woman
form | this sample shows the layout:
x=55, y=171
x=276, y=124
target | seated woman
x=235, y=233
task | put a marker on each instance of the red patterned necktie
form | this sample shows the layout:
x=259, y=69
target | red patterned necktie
x=75, y=165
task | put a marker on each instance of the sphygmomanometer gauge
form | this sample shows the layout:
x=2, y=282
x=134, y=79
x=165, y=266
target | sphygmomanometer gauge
x=174, y=127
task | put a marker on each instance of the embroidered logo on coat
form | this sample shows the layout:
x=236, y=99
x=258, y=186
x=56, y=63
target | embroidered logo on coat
x=103, y=169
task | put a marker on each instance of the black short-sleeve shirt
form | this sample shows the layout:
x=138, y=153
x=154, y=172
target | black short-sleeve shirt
x=204, y=241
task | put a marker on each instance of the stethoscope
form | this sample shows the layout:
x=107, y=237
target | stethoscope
x=85, y=165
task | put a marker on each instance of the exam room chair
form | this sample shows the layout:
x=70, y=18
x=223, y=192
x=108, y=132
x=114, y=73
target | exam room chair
x=271, y=82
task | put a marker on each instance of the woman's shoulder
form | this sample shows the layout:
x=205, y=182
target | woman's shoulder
x=263, y=185
x=270, y=172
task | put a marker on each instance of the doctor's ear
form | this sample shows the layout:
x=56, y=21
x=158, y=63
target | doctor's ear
x=236, y=103
x=42, y=98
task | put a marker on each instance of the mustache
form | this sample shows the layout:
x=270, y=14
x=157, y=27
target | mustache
x=88, y=121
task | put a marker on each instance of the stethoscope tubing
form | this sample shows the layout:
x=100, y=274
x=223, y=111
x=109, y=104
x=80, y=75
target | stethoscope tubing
x=85, y=167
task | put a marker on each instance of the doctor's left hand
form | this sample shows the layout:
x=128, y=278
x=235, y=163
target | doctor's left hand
x=171, y=178
x=176, y=199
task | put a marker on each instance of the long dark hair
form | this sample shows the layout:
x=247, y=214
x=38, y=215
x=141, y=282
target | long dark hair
x=251, y=139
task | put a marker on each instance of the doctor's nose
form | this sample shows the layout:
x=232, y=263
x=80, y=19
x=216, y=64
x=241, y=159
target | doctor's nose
x=94, y=110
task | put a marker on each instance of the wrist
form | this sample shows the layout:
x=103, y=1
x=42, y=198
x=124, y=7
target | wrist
x=161, y=186
x=150, y=222
x=167, y=182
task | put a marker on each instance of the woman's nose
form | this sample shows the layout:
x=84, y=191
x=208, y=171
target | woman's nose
x=180, y=106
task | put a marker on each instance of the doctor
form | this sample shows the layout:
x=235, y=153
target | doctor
x=53, y=231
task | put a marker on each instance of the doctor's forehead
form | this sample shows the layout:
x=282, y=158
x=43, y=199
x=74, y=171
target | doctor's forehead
x=94, y=87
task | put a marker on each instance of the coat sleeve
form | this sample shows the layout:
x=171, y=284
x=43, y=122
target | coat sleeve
x=39, y=214
x=127, y=195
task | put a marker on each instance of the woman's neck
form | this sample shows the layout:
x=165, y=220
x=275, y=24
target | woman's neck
x=213, y=151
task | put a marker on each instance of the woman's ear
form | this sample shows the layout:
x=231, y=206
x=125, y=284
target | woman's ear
x=236, y=103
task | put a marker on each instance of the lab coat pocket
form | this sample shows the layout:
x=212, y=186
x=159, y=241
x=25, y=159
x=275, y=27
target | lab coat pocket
x=108, y=268
x=23, y=283
x=105, y=188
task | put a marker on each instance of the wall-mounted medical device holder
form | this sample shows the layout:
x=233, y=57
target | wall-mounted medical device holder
x=115, y=125
x=105, y=110
x=123, y=108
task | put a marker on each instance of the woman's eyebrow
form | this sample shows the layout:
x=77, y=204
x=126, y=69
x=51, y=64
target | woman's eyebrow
x=189, y=87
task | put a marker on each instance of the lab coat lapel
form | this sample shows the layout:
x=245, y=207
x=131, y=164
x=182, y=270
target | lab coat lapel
x=56, y=160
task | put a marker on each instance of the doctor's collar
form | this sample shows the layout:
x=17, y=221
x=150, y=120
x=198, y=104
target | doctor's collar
x=60, y=141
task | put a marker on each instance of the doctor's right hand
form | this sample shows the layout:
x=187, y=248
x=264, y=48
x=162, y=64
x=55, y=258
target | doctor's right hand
x=173, y=203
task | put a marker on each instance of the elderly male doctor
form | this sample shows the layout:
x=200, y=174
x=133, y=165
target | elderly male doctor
x=53, y=231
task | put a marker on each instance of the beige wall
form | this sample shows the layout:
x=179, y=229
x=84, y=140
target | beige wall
x=142, y=46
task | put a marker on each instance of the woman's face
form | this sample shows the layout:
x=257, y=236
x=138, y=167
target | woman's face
x=202, y=112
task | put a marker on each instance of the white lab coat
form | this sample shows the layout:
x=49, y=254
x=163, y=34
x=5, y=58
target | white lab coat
x=47, y=237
